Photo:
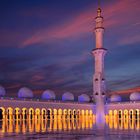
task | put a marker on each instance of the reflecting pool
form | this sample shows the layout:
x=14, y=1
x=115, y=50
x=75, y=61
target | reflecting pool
x=69, y=129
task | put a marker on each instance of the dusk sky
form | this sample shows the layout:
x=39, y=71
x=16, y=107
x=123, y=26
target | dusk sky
x=46, y=44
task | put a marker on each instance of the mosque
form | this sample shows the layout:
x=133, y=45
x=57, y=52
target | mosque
x=25, y=106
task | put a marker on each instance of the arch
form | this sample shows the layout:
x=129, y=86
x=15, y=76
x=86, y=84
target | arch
x=131, y=113
x=82, y=112
x=90, y=112
x=54, y=111
x=87, y=112
x=120, y=113
x=2, y=113
x=17, y=110
x=37, y=113
x=137, y=112
x=78, y=112
x=125, y=112
x=74, y=113
x=49, y=113
x=115, y=114
x=55, y=114
x=65, y=112
x=31, y=113
x=17, y=113
x=24, y=113
x=59, y=111
x=43, y=113
x=10, y=110
x=69, y=113
x=110, y=113
x=9, y=113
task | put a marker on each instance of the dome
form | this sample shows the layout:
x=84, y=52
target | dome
x=67, y=97
x=135, y=96
x=83, y=98
x=25, y=92
x=2, y=91
x=48, y=95
x=115, y=98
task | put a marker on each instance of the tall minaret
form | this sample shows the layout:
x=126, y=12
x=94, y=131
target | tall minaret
x=99, y=87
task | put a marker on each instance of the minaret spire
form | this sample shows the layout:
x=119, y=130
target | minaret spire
x=99, y=9
x=99, y=86
x=99, y=12
x=99, y=29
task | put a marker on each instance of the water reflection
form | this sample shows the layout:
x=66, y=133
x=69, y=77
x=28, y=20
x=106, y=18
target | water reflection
x=43, y=125
x=84, y=126
x=124, y=124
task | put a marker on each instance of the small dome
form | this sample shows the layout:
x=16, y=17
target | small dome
x=115, y=98
x=135, y=96
x=48, y=95
x=2, y=91
x=67, y=97
x=83, y=98
x=25, y=92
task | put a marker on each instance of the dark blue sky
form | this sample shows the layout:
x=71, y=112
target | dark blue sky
x=46, y=44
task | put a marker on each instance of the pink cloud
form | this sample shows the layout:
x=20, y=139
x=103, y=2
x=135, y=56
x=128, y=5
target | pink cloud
x=79, y=25
x=115, y=16
x=128, y=40
x=13, y=86
x=127, y=91
x=37, y=77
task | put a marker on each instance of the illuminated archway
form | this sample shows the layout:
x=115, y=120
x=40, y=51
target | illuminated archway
x=131, y=113
x=43, y=113
x=24, y=113
x=49, y=113
x=70, y=113
x=90, y=112
x=136, y=114
x=110, y=113
x=83, y=112
x=37, y=113
x=31, y=113
x=125, y=112
x=87, y=112
x=65, y=113
x=17, y=113
x=120, y=114
x=2, y=113
x=115, y=114
x=9, y=113
x=55, y=114
x=74, y=113
x=78, y=113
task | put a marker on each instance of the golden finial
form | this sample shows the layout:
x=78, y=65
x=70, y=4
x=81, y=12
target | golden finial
x=99, y=9
x=99, y=12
